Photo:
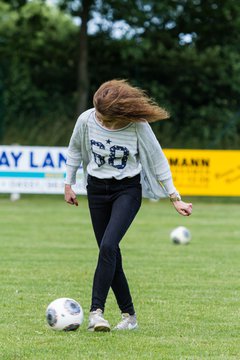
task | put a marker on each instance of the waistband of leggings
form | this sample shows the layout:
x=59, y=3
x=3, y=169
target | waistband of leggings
x=114, y=180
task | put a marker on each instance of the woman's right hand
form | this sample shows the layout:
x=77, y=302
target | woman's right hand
x=70, y=196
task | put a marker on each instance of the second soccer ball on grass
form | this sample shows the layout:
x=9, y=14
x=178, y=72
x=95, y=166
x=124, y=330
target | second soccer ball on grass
x=180, y=235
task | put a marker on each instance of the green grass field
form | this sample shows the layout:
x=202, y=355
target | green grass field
x=186, y=297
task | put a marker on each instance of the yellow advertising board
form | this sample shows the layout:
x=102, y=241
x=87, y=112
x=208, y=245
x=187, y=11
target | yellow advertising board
x=205, y=172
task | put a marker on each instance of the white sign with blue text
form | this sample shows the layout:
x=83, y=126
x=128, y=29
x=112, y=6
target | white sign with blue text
x=34, y=170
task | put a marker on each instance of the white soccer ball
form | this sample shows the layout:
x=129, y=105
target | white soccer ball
x=64, y=314
x=180, y=235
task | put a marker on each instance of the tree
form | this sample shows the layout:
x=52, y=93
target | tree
x=37, y=53
x=81, y=10
x=184, y=53
x=187, y=56
x=83, y=76
x=15, y=4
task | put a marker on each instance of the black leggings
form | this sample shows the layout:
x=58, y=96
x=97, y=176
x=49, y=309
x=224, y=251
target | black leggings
x=113, y=205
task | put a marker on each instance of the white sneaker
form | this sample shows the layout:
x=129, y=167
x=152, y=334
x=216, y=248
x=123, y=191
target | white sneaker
x=128, y=322
x=97, y=321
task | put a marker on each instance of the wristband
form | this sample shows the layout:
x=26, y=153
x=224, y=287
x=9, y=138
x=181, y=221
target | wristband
x=175, y=197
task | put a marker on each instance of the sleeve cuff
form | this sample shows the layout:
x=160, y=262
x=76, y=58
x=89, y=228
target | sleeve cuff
x=168, y=185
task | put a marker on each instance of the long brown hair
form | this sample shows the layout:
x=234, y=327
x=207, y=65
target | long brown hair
x=118, y=101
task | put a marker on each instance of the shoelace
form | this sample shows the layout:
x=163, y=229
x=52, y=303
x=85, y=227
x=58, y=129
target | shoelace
x=124, y=322
x=98, y=314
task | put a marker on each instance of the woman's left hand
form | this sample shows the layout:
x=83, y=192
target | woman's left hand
x=183, y=208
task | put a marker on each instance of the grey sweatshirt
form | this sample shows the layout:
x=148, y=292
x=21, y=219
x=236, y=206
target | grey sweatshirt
x=156, y=177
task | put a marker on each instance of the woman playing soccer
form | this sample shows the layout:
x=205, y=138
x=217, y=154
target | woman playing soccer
x=122, y=160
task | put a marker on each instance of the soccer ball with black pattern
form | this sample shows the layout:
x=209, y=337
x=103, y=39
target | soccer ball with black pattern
x=64, y=314
x=180, y=235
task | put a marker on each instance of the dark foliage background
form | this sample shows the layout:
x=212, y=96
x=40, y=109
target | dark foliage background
x=186, y=54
